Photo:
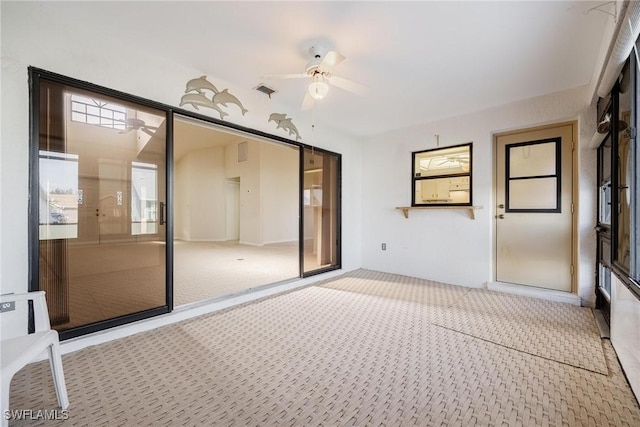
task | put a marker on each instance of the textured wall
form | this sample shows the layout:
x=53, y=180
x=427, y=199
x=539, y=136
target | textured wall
x=446, y=245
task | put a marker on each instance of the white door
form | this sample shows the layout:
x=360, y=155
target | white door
x=534, y=218
x=233, y=209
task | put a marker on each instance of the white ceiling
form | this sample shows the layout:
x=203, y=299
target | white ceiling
x=422, y=60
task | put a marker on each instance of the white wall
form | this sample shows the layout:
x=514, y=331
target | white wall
x=181, y=224
x=250, y=204
x=279, y=193
x=199, y=177
x=446, y=245
x=268, y=193
x=38, y=34
x=625, y=334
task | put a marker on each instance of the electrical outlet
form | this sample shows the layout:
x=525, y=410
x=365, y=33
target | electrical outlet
x=384, y=246
x=7, y=306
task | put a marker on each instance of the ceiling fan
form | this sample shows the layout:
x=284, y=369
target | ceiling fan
x=459, y=158
x=138, y=124
x=319, y=70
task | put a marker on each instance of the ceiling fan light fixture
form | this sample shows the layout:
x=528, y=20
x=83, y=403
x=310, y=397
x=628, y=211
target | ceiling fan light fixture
x=318, y=89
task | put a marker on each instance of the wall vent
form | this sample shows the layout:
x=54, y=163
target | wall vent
x=243, y=152
x=264, y=89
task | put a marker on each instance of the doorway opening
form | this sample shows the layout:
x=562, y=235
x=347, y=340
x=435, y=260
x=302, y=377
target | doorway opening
x=236, y=202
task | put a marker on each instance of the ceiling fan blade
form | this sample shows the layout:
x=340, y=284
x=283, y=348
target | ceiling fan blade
x=148, y=131
x=307, y=102
x=330, y=60
x=284, y=76
x=348, y=85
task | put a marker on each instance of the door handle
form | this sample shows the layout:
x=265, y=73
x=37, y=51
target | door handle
x=162, y=205
x=501, y=216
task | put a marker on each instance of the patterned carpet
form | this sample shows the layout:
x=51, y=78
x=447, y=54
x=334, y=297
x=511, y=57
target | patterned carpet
x=361, y=349
x=561, y=332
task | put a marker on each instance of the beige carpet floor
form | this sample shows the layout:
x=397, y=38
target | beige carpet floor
x=108, y=281
x=358, y=350
x=561, y=332
x=205, y=270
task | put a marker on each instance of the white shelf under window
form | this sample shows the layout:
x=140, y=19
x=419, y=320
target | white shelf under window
x=405, y=209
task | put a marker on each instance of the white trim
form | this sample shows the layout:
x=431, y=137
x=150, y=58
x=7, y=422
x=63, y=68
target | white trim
x=530, y=291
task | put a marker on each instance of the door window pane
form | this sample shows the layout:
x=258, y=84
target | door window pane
x=604, y=187
x=320, y=196
x=532, y=176
x=536, y=193
x=99, y=187
x=532, y=160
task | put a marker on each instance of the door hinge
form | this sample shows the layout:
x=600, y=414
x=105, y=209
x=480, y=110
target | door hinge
x=572, y=269
x=571, y=207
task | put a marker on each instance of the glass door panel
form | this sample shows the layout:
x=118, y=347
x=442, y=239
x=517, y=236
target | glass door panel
x=320, y=218
x=102, y=190
x=603, y=229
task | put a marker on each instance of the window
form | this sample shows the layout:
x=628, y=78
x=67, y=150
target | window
x=532, y=176
x=58, y=190
x=97, y=112
x=632, y=172
x=442, y=176
x=622, y=184
x=144, y=198
x=619, y=185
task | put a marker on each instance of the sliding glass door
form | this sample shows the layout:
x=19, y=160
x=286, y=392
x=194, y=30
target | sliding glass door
x=103, y=215
x=235, y=208
x=320, y=211
x=99, y=173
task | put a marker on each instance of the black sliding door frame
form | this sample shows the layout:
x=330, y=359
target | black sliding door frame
x=36, y=76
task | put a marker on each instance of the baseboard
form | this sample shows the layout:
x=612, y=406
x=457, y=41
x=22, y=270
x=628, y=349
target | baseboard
x=540, y=293
x=242, y=242
x=201, y=240
x=275, y=242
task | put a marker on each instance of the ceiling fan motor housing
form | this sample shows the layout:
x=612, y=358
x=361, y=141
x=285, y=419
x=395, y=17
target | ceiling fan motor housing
x=317, y=53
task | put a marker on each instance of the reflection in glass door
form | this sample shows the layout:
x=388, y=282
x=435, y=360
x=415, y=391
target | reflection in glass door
x=321, y=207
x=603, y=230
x=101, y=185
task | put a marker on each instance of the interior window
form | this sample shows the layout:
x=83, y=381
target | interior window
x=442, y=176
